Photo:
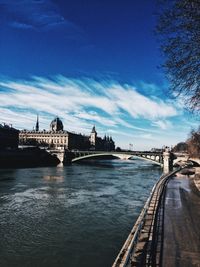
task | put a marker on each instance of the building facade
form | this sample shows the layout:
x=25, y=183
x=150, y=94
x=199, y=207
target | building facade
x=9, y=137
x=58, y=137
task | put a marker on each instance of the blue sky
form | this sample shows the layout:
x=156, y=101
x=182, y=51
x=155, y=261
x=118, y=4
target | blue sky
x=88, y=62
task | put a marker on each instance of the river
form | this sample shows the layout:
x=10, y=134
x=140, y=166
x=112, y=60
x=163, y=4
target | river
x=72, y=216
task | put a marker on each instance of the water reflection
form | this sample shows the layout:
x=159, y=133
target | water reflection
x=53, y=178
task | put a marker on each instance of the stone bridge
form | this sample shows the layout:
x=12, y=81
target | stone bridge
x=164, y=159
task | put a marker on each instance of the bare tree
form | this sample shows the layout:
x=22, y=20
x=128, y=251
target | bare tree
x=179, y=31
x=181, y=147
x=194, y=143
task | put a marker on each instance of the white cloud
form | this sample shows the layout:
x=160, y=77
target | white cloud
x=56, y=97
x=81, y=103
x=93, y=117
x=164, y=125
x=137, y=104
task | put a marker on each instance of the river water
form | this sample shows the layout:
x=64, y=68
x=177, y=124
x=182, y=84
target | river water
x=72, y=216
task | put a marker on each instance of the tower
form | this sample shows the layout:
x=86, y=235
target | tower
x=37, y=124
x=93, y=136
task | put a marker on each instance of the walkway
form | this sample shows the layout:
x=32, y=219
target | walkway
x=181, y=224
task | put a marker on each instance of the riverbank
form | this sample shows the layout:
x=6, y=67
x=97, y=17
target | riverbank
x=26, y=157
x=168, y=220
x=181, y=244
x=144, y=241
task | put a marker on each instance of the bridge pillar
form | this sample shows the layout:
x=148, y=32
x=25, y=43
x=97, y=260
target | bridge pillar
x=167, y=161
x=60, y=155
x=65, y=156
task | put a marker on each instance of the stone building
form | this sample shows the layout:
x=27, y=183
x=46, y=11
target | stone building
x=9, y=137
x=58, y=137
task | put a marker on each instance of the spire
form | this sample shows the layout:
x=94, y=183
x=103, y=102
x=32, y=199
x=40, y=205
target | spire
x=93, y=129
x=37, y=124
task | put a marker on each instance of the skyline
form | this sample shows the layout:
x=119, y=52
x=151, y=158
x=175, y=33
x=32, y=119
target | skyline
x=89, y=63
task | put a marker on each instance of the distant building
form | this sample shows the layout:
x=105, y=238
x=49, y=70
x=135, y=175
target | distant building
x=9, y=137
x=58, y=137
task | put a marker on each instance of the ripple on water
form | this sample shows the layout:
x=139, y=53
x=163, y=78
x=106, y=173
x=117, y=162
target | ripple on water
x=77, y=215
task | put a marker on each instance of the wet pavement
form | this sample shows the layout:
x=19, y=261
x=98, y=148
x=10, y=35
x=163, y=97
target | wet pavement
x=181, y=224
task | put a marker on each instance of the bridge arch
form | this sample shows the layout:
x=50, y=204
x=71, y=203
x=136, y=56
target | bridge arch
x=149, y=159
x=116, y=155
x=92, y=156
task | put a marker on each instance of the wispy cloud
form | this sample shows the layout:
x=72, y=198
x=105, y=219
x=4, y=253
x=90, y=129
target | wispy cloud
x=82, y=103
x=92, y=116
x=136, y=104
x=163, y=124
x=21, y=25
x=35, y=15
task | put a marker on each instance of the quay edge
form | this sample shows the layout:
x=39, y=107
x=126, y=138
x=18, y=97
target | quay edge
x=141, y=246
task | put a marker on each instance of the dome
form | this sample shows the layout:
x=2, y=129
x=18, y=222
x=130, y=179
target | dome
x=56, y=125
